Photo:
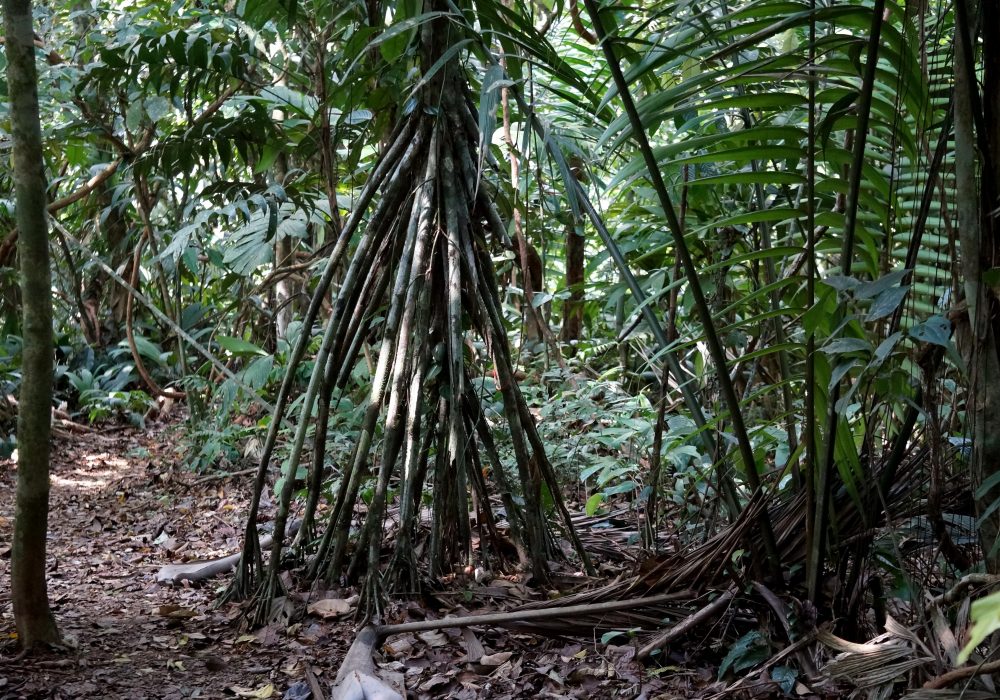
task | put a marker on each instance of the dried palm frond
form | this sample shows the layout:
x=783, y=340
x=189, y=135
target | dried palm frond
x=948, y=694
x=875, y=667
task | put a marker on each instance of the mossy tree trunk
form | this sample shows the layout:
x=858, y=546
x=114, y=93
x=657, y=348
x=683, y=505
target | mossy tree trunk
x=32, y=616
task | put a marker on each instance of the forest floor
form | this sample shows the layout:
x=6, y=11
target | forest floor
x=122, y=507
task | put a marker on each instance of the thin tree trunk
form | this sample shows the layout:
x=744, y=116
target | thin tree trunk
x=978, y=244
x=989, y=208
x=575, y=270
x=32, y=616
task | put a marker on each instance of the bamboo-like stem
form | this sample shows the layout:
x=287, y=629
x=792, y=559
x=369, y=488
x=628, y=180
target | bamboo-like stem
x=456, y=360
x=515, y=515
x=392, y=361
x=812, y=548
x=402, y=569
x=826, y=468
x=315, y=484
x=691, y=272
x=250, y=559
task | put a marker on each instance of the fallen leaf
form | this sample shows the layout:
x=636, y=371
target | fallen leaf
x=473, y=647
x=435, y=681
x=433, y=638
x=175, y=611
x=261, y=693
x=399, y=646
x=497, y=659
x=329, y=608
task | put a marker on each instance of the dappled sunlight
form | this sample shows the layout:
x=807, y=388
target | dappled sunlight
x=85, y=471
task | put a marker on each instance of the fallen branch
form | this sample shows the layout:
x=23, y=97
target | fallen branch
x=960, y=674
x=678, y=630
x=194, y=572
x=953, y=594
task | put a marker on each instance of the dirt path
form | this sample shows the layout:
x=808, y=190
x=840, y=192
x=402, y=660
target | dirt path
x=120, y=510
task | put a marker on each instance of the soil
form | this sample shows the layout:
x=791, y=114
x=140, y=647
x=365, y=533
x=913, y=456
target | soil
x=123, y=505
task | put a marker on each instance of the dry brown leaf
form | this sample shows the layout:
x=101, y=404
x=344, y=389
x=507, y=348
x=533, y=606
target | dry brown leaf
x=175, y=611
x=399, y=646
x=329, y=608
x=497, y=659
x=473, y=647
x=261, y=693
x=435, y=681
x=433, y=638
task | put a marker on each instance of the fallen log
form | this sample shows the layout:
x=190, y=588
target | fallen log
x=196, y=571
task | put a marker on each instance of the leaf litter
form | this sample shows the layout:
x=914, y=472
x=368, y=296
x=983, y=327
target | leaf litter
x=121, y=508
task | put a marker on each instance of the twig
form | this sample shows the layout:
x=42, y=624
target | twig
x=780, y=611
x=706, y=613
x=958, y=590
x=223, y=475
x=314, y=685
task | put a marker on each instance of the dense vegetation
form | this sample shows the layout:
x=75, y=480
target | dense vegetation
x=723, y=270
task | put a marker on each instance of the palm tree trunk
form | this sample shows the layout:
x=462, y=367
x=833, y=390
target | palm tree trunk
x=977, y=227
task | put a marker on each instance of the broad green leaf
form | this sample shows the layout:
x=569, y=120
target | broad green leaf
x=886, y=303
x=623, y=487
x=870, y=290
x=935, y=330
x=985, y=621
x=744, y=652
x=593, y=503
x=840, y=346
x=768, y=177
x=238, y=346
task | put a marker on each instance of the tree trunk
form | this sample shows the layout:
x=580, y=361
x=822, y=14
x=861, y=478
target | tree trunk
x=989, y=211
x=573, y=306
x=977, y=228
x=32, y=616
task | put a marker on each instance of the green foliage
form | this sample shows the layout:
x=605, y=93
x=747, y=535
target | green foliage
x=746, y=652
x=985, y=621
x=10, y=382
x=609, y=430
x=239, y=129
x=104, y=388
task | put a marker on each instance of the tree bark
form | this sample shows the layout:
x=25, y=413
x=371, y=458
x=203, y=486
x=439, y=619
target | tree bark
x=32, y=616
x=575, y=268
x=989, y=210
x=978, y=237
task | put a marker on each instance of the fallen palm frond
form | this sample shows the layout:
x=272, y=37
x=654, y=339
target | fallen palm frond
x=873, y=667
x=708, y=569
x=357, y=674
x=949, y=694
